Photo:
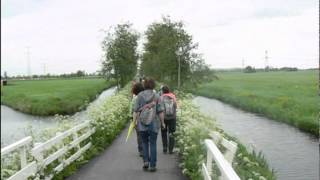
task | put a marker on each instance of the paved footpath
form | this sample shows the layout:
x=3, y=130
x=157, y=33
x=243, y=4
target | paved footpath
x=120, y=161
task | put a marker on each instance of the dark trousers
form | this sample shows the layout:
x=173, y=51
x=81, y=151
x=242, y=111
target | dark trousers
x=149, y=142
x=168, y=133
x=139, y=141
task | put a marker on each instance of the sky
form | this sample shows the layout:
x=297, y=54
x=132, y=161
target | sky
x=65, y=36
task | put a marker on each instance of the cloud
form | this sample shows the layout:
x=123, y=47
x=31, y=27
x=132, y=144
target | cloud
x=291, y=41
x=65, y=35
x=270, y=13
x=11, y=8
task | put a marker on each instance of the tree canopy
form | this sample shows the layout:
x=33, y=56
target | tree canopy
x=249, y=69
x=167, y=44
x=120, y=53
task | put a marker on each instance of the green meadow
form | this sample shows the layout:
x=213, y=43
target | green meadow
x=290, y=97
x=49, y=97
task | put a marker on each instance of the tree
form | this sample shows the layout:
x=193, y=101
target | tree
x=120, y=54
x=167, y=44
x=80, y=73
x=201, y=72
x=249, y=69
x=35, y=76
x=289, y=69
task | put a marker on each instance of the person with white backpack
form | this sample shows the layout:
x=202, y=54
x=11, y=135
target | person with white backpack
x=149, y=115
x=169, y=102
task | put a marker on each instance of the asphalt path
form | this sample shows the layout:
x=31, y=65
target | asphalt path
x=121, y=161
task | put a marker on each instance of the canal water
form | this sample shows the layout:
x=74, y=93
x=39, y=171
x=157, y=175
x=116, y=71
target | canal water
x=293, y=154
x=15, y=124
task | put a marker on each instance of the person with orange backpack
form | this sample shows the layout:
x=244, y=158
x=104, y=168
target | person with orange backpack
x=168, y=99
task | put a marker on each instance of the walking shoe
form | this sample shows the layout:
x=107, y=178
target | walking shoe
x=153, y=169
x=140, y=154
x=164, y=150
x=170, y=152
x=145, y=166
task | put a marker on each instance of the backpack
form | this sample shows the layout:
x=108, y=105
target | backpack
x=169, y=109
x=148, y=112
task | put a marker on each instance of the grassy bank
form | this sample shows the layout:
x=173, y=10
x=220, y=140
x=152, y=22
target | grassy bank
x=290, y=97
x=49, y=97
x=193, y=128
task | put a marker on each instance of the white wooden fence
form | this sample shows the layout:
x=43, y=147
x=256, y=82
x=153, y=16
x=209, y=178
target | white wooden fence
x=23, y=146
x=41, y=155
x=223, y=162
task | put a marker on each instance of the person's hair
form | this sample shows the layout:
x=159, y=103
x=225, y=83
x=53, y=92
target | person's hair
x=165, y=89
x=137, y=88
x=133, y=82
x=149, y=83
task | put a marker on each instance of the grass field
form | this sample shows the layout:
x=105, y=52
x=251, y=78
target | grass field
x=290, y=97
x=49, y=97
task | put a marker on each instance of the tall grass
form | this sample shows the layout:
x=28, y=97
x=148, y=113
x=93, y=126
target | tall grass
x=49, y=97
x=290, y=97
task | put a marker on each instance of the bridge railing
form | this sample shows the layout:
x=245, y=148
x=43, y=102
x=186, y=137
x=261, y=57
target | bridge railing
x=223, y=162
x=23, y=146
x=231, y=147
x=53, y=150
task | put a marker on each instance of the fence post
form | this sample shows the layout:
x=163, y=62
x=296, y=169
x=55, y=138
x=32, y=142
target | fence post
x=62, y=158
x=23, y=157
x=230, y=153
x=75, y=137
x=39, y=157
x=209, y=162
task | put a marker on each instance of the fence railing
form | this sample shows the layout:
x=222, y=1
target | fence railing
x=223, y=162
x=55, y=149
x=23, y=146
x=231, y=147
